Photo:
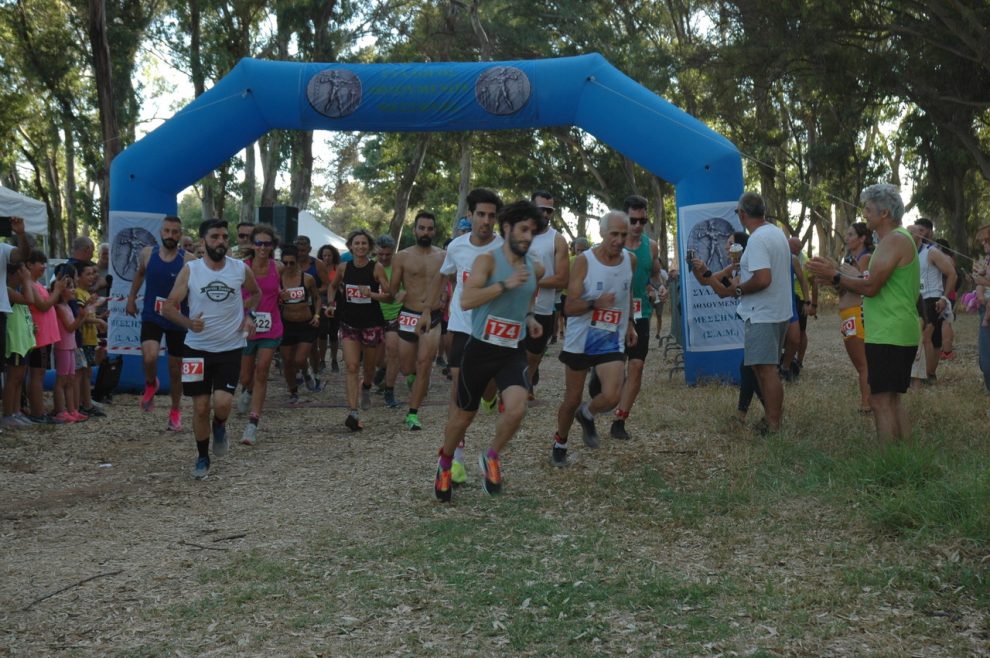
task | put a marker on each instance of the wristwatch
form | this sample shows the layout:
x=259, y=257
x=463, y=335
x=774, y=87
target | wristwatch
x=739, y=292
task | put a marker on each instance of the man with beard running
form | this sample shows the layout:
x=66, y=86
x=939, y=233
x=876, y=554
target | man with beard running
x=549, y=248
x=219, y=321
x=462, y=253
x=158, y=268
x=499, y=293
x=598, y=308
x=414, y=268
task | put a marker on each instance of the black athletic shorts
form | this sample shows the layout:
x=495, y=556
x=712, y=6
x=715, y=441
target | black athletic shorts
x=576, y=361
x=889, y=367
x=174, y=339
x=539, y=345
x=294, y=333
x=329, y=327
x=927, y=312
x=413, y=336
x=458, y=339
x=802, y=313
x=40, y=357
x=482, y=363
x=642, y=346
x=206, y=372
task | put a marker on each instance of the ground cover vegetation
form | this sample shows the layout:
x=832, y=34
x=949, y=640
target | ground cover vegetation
x=698, y=537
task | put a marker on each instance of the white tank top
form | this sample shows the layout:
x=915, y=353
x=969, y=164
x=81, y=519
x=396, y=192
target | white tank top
x=459, y=260
x=217, y=295
x=541, y=249
x=931, y=276
x=601, y=331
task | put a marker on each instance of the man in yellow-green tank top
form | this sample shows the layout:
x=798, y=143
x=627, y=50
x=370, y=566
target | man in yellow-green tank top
x=890, y=288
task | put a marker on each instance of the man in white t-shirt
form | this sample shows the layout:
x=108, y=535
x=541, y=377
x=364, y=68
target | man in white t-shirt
x=763, y=289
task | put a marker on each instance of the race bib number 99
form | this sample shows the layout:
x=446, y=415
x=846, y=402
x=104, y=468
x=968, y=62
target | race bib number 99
x=502, y=332
x=606, y=318
x=353, y=295
x=296, y=295
x=193, y=369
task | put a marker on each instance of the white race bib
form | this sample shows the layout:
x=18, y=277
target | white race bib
x=159, y=304
x=193, y=370
x=353, y=294
x=296, y=295
x=407, y=321
x=262, y=322
x=502, y=332
x=607, y=319
x=637, y=308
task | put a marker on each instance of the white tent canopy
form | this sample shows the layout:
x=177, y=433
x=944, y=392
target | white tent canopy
x=35, y=213
x=319, y=234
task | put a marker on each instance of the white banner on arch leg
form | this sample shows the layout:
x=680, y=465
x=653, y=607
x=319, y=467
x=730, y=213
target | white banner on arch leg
x=711, y=322
x=130, y=232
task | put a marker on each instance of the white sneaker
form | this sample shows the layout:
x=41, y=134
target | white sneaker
x=250, y=434
x=244, y=402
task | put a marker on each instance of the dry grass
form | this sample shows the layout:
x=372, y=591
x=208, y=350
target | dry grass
x=693, y=539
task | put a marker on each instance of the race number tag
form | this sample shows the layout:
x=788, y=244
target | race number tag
x=502, y=332
x=353, y=295
x=637, y=308
x=465, y=275
x=262, y=322
x=159, y=304
x=849, y=327
x=407, y=321
x=607, y=319
x=296, y=295
x=192, y=370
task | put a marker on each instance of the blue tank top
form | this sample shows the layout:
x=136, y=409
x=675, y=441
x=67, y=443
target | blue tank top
x=311, y=270
x=159, y=277
x=502, y=321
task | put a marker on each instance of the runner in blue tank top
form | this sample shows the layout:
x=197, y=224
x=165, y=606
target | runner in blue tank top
x=158, y=268
x=500, y=293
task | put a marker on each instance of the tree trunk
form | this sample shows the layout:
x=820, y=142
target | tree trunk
x=406, y=182
x=68, y=139
x=109, y=121
x=301, y=184
x=270, y=145
x=249, y=187
x=465, y=185
x=659, y=224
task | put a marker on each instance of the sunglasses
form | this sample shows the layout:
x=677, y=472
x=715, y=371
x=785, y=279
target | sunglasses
x=260, y=243
x=244, y=236
x=546, y=210
x=639, y=220
x=288, y=263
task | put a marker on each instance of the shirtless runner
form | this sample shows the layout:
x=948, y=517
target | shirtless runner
x=414, y=268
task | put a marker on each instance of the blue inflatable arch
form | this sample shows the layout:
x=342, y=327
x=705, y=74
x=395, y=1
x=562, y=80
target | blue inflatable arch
x=585, y=91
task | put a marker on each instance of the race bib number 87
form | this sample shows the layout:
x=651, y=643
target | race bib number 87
x=193, y=369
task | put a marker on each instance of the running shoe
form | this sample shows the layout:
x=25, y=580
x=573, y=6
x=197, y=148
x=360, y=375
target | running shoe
x=442, y=484
x=390, y=400
x=558, y=456
x=458, y=475
x=174, y=420
x=64, y=417
x=22, y=419
x=93, y=412
x=492, y=469
x=10, y=423
x=219, y=440
x=365, y=398
x=353, y=422
x=334, y=367
x=588, y=431
x=43, y=419
x=202, y=468
x=293, y=398
x=412, y=422
x=250, y=434
x=948, y=356
x=312, y=385
x=79, y=416
x=148, y=399
x=489, y=405
x=244, y=401
x=618, y=430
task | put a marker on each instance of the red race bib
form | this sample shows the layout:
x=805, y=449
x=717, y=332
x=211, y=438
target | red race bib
x=606, y=318
x=502, y=332
x=193, y=369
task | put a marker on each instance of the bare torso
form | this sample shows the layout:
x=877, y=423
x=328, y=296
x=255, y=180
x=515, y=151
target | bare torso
x=417, y=267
